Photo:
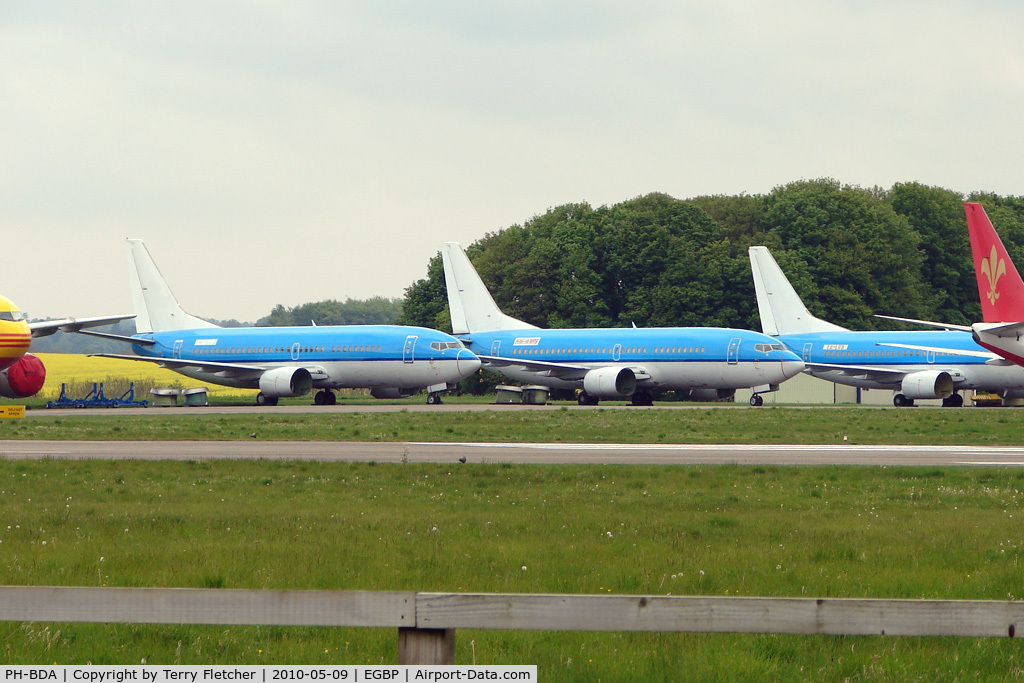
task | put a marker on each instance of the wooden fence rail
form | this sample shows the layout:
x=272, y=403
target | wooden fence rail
x=426, y=622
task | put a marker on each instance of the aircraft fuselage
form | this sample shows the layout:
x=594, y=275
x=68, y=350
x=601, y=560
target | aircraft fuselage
x=850, y=358
x=664, y=358
x=350, y=356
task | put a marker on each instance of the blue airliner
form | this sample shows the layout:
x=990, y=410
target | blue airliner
x=392, y=361
x=612, y=363
x=915, y=364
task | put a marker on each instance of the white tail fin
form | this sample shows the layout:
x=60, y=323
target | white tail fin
x=472, y=308
x=781, y=309
x=156, y=309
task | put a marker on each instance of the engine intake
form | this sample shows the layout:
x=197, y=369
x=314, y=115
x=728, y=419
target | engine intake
x=927, y=384
x=711, y=395
x=23, y=379
x=392, y=392
x=609, y=382
x=286, y=382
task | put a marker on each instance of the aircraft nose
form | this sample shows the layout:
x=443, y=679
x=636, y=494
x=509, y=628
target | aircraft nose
x=467, y=362
x=792, y=365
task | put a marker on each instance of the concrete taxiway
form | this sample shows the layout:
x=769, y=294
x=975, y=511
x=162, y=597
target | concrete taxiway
x=519, y=453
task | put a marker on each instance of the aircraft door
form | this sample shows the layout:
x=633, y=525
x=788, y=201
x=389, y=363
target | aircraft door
x=930, y=357
x=409, y=350
x=295, y=351
x=616, y=352
x=807, y=352
x=733, y=355
x=496, y=347
x=176, y=351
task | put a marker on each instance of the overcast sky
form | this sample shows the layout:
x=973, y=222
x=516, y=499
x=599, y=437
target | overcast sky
x=287, y=152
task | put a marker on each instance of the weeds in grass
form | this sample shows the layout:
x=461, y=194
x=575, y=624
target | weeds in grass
x=872, y=532
x=711, y=425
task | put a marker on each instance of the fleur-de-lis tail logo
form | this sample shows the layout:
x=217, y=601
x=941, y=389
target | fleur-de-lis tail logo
x=993, y=270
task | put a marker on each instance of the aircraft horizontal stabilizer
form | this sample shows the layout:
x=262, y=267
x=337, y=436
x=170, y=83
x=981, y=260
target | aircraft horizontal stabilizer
x=1007, y=330
x=927, y=323
x=120, y=337
x=48, y=327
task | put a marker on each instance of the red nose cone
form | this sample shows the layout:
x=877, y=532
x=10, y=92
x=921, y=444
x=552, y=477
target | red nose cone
x=25, y=378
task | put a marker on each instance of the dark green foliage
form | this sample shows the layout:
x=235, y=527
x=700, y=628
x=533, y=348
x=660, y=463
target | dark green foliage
x=658, y=261
x=425, y=301
x=938, y=217
x=375, y=311
x=862, y=257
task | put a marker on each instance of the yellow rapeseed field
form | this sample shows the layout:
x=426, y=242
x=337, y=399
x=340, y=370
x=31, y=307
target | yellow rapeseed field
x=79, y=372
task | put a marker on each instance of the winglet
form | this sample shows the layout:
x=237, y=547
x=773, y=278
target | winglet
x=780, y=307
x=156, y=309
x=1000, y=287
x=471, y=305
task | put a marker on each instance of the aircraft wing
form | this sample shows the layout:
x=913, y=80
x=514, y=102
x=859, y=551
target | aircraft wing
x=565, y=371
x=991, y=357
x=1007, y=330
x=48, y=327
x=927, y=323
x=880, y=373
x=141, y=341
x=224, y=369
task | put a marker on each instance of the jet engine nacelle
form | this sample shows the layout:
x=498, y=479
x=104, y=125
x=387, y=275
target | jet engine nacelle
x=928, y=384
x=286, y=382
x=609, y=382
x=392, y=392
x=711, y=395
x=23, y=379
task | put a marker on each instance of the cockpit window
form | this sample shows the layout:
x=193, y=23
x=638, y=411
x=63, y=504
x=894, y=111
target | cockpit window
x=766, y=348
x=441, y=346
x=12, y=316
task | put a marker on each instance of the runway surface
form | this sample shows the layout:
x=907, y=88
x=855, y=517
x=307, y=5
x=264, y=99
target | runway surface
x=520, y=453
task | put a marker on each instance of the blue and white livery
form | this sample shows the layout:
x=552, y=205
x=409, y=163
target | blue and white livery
x=611, y=363
x=391, y=361
x=925, y=364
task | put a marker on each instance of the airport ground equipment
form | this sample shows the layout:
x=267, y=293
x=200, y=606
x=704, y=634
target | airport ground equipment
x=96, y=399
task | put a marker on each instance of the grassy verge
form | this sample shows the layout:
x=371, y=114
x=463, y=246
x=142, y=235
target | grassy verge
x=570, y=424
x=728, y=530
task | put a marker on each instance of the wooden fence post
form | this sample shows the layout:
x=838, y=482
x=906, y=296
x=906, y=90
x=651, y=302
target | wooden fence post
x=426, y=646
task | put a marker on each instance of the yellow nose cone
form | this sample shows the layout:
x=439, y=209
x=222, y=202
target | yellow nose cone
x=15, y=336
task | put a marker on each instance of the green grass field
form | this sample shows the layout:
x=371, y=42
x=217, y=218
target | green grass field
x=950, y=533
x=728, y=530
x=570, y=424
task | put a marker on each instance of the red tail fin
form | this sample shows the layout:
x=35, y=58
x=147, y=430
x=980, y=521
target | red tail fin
x=999, y=286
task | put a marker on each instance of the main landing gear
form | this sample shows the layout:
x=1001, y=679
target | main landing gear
x=585, y=399
x=264, y=400
x=756, y=400
x=325, y=397
x=954, y=400
x=642, y=398
x=434, y=399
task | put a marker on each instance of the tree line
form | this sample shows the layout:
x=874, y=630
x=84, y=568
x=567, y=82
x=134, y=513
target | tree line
x=850, y=252
x=658, y=261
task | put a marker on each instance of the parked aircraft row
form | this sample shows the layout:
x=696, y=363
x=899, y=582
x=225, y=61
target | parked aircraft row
x=610, y=363
x=602, y=363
